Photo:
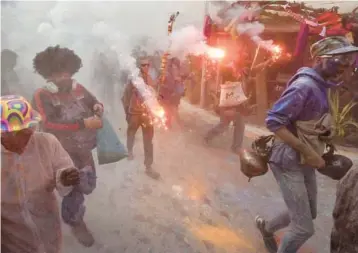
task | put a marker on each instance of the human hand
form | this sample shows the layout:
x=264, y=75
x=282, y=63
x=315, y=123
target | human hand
x=93, y=122
x=313, y=159
x=70, y=177
x=98, y=109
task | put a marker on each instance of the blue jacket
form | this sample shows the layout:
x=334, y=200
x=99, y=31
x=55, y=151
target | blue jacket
x=305, y=98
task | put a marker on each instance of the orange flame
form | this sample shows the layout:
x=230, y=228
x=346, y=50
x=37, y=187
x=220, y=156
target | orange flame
x=216, y=53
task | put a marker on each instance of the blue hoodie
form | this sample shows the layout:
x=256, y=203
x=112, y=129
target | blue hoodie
x=304, y=99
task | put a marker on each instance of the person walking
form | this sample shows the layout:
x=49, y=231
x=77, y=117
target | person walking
x=303, y=108
x=33, y=164
x=138, y=116
x=72, y=114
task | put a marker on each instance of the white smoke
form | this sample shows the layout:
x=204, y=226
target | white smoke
x=188, y=40
x=89, y=28
x=240, y=16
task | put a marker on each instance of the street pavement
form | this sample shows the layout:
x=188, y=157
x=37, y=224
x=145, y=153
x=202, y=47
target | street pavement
x=202, y=204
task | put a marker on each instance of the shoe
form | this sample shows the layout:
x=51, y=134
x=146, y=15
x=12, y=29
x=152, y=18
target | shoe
x=268, y=238
x=130, y=157
x=152, y=173
x=83, y=235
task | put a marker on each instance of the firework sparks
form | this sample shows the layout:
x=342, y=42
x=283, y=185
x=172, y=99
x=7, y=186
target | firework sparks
x=216, y=53
x=155, y=114
x=276, y=52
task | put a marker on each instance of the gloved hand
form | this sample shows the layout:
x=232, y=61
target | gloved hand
x=94, y=122
x=98, y=109
x=70, y=177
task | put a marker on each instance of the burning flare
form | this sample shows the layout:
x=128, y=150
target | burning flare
x=216, y=53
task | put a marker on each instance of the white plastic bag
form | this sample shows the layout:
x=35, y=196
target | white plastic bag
x=232, y=94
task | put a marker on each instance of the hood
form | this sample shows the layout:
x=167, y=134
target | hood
x=312, y=73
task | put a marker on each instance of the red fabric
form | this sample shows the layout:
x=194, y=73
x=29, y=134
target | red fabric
x=207, y=26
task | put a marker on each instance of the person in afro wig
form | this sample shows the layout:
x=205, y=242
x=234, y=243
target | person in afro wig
x=73, y=115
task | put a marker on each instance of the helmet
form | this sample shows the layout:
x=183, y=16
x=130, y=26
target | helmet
x=253, y=162
x=336, y=165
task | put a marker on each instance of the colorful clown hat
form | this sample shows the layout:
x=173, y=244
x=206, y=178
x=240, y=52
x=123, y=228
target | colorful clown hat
x=17, y=114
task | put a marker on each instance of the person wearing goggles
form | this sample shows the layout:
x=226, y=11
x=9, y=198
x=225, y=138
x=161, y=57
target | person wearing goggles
x=296, y=155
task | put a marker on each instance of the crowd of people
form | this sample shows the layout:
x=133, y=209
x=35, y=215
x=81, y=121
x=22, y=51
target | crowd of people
x=47, y=144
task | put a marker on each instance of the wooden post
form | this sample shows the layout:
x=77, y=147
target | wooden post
x=203, y=68
x=261, y=95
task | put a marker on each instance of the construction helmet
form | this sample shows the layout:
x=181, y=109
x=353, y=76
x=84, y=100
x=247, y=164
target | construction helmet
x=253, y=162
x=337, y=166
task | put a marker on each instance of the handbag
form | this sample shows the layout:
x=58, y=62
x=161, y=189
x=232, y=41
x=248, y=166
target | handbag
x=109, y=147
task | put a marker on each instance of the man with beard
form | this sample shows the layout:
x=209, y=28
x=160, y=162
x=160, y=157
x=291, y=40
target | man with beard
x=295, y=155
x=72, y=114
x=138, y=116
x=33, y=164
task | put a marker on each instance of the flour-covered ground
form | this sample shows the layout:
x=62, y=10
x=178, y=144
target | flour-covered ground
x=202, y=204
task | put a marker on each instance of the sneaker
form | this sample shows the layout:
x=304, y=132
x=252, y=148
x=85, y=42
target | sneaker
x=268, y=238
x=82, y=234
x=152, y=173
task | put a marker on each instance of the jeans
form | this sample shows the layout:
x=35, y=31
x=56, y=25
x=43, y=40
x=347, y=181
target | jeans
x=239, y=129
x=299, y=189
x=134, y=122
x=73, y=208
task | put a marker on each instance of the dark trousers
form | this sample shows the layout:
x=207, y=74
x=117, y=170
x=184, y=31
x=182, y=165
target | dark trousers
x=73, y=208
x=223, y=125
x=172, y=114
x=134, y=122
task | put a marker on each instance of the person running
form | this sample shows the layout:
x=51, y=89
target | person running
x=137, y=116
x=295, y=155
x=33, y=164
x=234, y=113
x=71, y=113
x=172, y=91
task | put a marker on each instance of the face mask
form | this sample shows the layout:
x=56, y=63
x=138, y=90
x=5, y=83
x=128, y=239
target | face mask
x=51, y=87
x=336, y=66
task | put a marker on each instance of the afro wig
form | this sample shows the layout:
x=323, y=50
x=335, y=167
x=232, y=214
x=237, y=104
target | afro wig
x=56, y=60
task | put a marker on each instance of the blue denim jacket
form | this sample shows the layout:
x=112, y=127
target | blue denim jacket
x=305, y=98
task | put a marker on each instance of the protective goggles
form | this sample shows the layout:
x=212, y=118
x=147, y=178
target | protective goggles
x=345, y=60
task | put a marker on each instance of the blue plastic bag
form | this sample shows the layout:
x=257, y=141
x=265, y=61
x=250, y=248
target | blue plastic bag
x=109, y=147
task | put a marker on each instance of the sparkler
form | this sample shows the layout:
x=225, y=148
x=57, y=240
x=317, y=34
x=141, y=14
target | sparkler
x=155, y=114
